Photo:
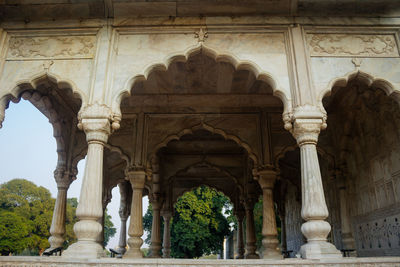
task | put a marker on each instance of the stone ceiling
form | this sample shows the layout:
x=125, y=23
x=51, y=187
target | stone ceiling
x=30, y=10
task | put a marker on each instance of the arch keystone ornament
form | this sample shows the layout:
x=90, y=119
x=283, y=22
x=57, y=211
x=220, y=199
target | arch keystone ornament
x=95, y=120
x=308, y=121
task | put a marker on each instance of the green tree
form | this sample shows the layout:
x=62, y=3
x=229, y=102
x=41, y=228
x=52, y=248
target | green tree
x=33, y=205
x=199, y=227
x=14, y=233
x=109, y=229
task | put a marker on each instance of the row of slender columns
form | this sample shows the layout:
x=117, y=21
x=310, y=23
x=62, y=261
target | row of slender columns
x=95, y=121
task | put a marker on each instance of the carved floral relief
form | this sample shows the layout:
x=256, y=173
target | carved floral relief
x=51, y=47
x=362, y=45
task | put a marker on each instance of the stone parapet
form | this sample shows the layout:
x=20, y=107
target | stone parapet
x=11, y=261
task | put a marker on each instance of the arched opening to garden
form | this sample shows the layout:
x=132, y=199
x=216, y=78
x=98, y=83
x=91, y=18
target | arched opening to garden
x=41, y=148
x=363, y=135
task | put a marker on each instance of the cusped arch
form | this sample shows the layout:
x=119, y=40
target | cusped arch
x=212, y=53
x=364, y=77
x=214, y=167
x=26, y=89
x=34, y=81
x=209, y=128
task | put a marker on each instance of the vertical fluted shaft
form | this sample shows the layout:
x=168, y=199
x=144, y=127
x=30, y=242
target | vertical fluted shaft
x=307, y=125
x=122, y=237
x=124, y=211
x=250, y=231
x=89, y=210
x=57, y=229
x=95, y=121
x=135, y=232
x=167, y=236
x=347, y=236
x=266, y=178
x=240, y=243
x=155, y=247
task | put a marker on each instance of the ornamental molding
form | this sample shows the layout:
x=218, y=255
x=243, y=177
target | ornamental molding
x=352, y=45
x=56, y=47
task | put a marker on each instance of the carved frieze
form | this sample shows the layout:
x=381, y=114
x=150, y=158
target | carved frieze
x=352, y=45
x=55, y=47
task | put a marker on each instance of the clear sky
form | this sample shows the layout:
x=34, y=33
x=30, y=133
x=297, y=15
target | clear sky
x=28, y=150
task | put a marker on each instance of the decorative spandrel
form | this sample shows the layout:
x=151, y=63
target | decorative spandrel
x=53, y=47
x=352, y=45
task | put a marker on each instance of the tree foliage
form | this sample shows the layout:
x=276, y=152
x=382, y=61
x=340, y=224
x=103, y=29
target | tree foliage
x=26, y=212
x=199, y=226
x=109, y=229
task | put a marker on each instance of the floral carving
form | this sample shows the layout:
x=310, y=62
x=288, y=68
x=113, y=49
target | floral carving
x=363, y=45
x=51, y=47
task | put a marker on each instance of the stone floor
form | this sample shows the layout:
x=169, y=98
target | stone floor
x=113, y=262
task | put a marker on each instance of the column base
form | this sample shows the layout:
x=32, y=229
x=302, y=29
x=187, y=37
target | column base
x=84, y=250
x=271, y=248
x=319, y=250
x=133, y=254
x=121, y=250
x=272, y=255
x=252, y=256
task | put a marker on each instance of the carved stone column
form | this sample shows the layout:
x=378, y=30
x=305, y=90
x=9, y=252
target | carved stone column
x=240, y=243
x=250, y=230
x=266, y=178
x=348, y=241
x=57, y=229
x=155, y=247
x=156, y=202
x=95, y=121
x=124, y=211
x=308, y=121
x=167, y=235
x=135, y=232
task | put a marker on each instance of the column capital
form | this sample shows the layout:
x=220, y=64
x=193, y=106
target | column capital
x=166, y=214
x=97, y=121
x=239, y=214
x=156, y=200
x=137, y=177
x=266, y=177
x=64, y=178
x=308, y=121
x=249, y=202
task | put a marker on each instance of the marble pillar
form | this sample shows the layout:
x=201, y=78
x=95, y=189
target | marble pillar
x=57, y=229
x=135, y=232
x=155, y=247
x=250, y=230
x=307, y=123
x=124, y=211
x=266, y=178
x=95, y=121
x=348, y=241
x=240, y=243
x=167, y=235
